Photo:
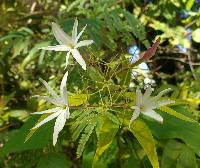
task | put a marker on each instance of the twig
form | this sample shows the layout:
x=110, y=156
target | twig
x=191, y=67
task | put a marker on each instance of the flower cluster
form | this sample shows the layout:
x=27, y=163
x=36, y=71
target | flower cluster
x=71, y=45
x=144, y=103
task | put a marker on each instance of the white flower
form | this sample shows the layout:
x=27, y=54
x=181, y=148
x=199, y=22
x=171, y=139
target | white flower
x=146, y=104
x=69, y=44
x=61, y=112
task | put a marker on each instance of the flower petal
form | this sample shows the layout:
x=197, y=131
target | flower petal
x=74, y=31
x=134, y=116
x=138, y=97
x=161, y=94
x=79, y=35
x=60, y=35
x=59, y=125
x=47, y=119
x=164, y=103
x=84, y=43
x=63, y=89
x=49, y=89
x=152, y=114
x=57, y=102
x=53, y=110
x=56, y=48
x=67, y=59
x=147, y=93
x=79, y=58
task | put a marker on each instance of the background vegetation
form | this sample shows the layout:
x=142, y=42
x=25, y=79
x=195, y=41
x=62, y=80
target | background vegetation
x=115, y=26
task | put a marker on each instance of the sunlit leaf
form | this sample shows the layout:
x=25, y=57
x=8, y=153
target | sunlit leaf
x=143, y=134
x=196, y=35
x=77, y=100
x=176, y=114
x=105, y=138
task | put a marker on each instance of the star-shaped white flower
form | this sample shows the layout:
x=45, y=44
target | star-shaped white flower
x=146, y=104
x=69, y=44
x=61, y=112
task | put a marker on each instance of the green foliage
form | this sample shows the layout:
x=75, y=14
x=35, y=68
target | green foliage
x=52, y=160
x=141, y=131
x=104, y=141
x=16, y=141
x=188, y=132
x=85, y=137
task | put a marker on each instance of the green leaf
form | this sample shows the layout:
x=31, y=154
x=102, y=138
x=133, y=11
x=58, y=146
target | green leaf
x=95, y=76
x=32, y=131
x=176, y=114
x=196, y=35
x=40, y=139
x=187, y=159
x=172, y=127
x=170, y=154
x=19, y=114
x=32, y=54
x=54, y=160
x=107, y=133
x=137, y=28
x=189, y=4
x=77, y=100
x=20, y=44
x=85, y=137
x=143, y=134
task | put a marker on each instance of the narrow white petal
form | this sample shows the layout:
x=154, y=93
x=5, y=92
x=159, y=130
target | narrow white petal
x=53, y=110
x=152, y=114
x=63, y=89
x=134, y=116
x=56, y=102
x=56, y=48
x=50, y=90
x=79, y=58
x=79, y=35
x=68, y=113
x=161, y=94
x=60, y=35
x=47, y=119
x=164, y=103
x=59, y=125
x=138, y=97
x=74, y=31
x=147, y=93
x=84, y=43
x=67, y=59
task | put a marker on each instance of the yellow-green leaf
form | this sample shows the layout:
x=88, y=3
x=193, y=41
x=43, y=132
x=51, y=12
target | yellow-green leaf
x=77, y=100
x=143, y=134
x=176, y=114
x=196, y=35
x=107, y=133
x=189, y=4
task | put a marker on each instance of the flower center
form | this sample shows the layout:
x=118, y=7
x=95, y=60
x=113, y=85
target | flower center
x=71, y=45
x=142, y=108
